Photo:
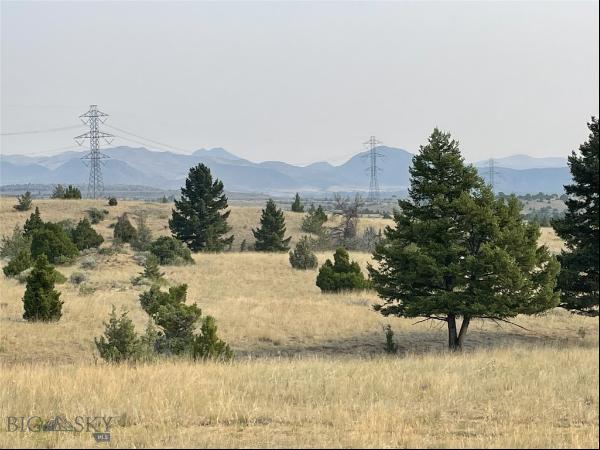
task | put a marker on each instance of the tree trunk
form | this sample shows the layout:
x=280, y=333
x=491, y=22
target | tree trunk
x=452, y=336
x=463, y=331
x=456, y=339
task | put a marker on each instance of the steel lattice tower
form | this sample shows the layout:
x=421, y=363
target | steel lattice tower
x=94, y=118
x=374, y=192
x=491, y=172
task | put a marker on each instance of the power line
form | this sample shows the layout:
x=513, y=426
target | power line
x=48, y=130
x=162, y=144
x=94, y=117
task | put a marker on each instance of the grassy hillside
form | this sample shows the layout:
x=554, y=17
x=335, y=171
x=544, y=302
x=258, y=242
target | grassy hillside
x=310, y=369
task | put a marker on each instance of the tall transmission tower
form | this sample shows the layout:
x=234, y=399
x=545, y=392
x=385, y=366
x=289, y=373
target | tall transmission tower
x=491, y=172
x=94, y=117
x=374, y=192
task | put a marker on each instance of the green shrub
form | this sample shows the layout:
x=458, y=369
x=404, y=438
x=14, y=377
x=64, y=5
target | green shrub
x=78, y=277
x=112, y=201
x=22, y=277
x=53, y=241
x=88, y=263
x=120, y=342
x=143, y=237
x=85, y=289
x=176, y=319
x=178, y=322
x=11, y=246
x=17, y=264
x=23, y=202
x=302, y=256
x=72, y=192
x=41, y=301
x=341, y=275
x=124, y=231
x=96, y=215
x=108, y=251
x=170, y=251
x=207, y=344
x=84, y=236
x=58, y=191
x=390, y=344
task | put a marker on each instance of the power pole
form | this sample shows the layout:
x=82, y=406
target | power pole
x=94, y=118
x=374, y=192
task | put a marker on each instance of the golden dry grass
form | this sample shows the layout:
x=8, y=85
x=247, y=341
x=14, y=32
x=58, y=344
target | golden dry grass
x=505, y=398
x=310, y=367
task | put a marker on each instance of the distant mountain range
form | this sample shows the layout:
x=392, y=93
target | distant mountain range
x=168, y=170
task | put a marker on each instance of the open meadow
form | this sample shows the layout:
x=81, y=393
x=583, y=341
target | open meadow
x=310, y=368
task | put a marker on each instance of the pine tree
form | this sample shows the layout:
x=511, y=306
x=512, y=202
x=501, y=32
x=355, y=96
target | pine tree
x=120, y=342
x=302, y=256
x=197, y=220
x=152, y=269
x=270, y=236
x=207, y=344
x=23, y=202
x=314, y=220
x=297, y=206
x=457, y=252
x=578, y=279
x=41, y=301
x=34, y=222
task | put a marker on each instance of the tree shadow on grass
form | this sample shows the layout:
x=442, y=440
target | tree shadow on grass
x=416, y=341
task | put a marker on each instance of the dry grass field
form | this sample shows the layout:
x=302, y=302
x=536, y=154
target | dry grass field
x=310, y=369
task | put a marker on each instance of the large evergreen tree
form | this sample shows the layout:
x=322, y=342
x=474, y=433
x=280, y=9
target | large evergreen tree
x=41, y=301
x=198, y=218
x=578, y=279
x=457, y=252
x=270, y=237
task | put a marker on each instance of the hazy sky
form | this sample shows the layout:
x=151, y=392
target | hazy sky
x=302, y=82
